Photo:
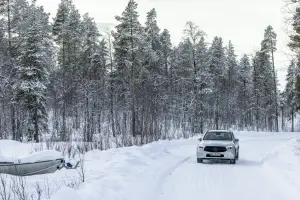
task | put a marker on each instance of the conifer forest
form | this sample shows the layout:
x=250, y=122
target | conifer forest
x=63, y=79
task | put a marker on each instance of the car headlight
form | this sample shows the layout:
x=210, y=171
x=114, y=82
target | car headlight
x=230, y=147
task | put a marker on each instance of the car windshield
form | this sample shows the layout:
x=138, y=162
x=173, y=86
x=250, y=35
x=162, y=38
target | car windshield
x=218, y=136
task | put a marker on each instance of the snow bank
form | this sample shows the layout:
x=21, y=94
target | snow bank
x=41, y=156
x=110, y=174
x=283, y=164
x=13, y=151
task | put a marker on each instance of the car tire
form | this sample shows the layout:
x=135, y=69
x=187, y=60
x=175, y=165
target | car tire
x=237, y=155
x=199, y=160
x=233, y=161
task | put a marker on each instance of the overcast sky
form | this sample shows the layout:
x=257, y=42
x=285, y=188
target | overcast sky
x=241, y=21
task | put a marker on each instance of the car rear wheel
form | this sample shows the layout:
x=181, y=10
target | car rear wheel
x=199, y=160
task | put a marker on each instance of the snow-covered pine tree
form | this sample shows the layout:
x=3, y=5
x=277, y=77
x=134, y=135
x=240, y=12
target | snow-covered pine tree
x=67, y=32
x=129, y=39
x=217, y=73
x=93, y=71
x=231, y=85
x=203, y=80
x=9, y=69
x=61, y=37
x=166, y=43
x=62, y=16
x=257, y=86
x=13, y=13
x=245, y=93
x=3, y=80
x=111, y=77
x=269, y=46
x=99, y=74
x=35, y=60
x=6, y=15
x=151, y=90
x=263, y=91
x=294, y=45
x=291, y=99
x=193, y=36
x=183, y=91
x=166, y=48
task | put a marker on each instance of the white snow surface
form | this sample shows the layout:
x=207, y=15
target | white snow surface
x=268, y=169
x=41, y=156
x=13, y=151
x=66, y=193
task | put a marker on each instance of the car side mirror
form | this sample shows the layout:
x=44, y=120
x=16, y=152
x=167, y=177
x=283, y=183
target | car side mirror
x=236, y=140
x=200, y=139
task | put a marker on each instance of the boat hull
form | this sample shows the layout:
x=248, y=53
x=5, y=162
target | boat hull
x=30, y=169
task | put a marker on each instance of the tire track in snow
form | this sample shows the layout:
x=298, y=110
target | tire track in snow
x=164, y=177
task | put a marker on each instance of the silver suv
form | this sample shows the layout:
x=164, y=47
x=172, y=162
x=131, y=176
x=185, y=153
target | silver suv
x=218, y=145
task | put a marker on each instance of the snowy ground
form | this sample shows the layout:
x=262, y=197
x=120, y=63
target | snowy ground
x=268, y=169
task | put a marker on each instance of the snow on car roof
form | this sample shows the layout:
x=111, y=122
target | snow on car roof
x=218, y=131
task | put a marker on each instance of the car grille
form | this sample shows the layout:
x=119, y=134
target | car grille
x=215, y=149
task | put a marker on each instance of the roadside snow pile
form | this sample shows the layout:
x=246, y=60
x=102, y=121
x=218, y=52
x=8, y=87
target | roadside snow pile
x=45, y=155
x=284, y=161
x=109, y=174
x=13, y=151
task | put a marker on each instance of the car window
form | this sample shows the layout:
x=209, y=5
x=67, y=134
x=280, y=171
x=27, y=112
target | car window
x=218, y=136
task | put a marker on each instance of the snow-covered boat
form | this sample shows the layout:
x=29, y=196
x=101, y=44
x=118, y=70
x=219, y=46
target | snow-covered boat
x=43, y=162
x=30, y=169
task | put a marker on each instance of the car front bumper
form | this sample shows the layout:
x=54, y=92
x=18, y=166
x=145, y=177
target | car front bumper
x=227, y=155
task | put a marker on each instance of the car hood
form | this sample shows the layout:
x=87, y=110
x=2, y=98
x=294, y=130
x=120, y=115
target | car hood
x=216, y=143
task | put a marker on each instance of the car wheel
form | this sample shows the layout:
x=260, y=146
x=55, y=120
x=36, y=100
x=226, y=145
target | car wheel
x=237, y=155
x=232, y=161
x=199, y=160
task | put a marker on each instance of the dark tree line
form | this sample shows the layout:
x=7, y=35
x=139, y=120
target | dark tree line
x=290, y=97
x=66, y=80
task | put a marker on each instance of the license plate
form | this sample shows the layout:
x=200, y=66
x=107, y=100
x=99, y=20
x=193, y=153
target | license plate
x=215, y=154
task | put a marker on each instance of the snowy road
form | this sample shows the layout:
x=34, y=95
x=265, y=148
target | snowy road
x=180, y=177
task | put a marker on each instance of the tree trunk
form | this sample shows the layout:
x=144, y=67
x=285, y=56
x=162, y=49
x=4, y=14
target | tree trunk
x=13, y=120
x=282, y=118
x=275, y=88
x=217, y=113
x=133, y=114
x=292, y=119
x=92, y=122
x=63, y=130
x=87, y=119
x=196, y=111
x=256, y=97
x=111, y=89
x=36, y=123
x=77, y=118
x=12, y=106
x=201, y=113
